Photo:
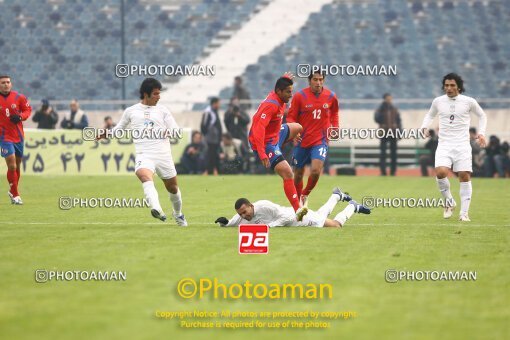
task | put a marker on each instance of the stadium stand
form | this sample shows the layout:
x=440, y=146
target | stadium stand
x=423, y=38
x=417, y=36
x=156, y=32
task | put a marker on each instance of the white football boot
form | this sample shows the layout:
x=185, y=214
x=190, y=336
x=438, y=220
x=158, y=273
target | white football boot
x=464, y=218
x=180, y=220
x=15, y=200
x=448, y=210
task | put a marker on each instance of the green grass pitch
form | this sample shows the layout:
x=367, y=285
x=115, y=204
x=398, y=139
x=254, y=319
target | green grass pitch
x=157, y=255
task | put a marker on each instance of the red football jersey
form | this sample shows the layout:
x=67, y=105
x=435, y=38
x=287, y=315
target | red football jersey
x=266, y=125
x=315, y=113
x=13, y=103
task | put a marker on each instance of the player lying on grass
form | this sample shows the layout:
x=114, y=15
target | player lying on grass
x=274, y=215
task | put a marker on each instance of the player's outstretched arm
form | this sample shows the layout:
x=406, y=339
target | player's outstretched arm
x=222, y=221
x=26, y=109
x=481, y=140
x=260, y=122
x=429, y=118
x=334, y=119
x=233, y=222
x=170, y=122
x=295, y=107
x=482, y=124
x=123, y=122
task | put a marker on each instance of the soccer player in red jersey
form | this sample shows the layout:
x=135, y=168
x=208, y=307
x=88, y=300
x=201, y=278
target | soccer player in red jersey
x=316, y=109
x=14, y=108
x=268, y=134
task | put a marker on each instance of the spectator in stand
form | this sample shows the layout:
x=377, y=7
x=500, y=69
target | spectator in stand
x=427, y=161
x=231, y=155
x=108, y=123
x=502, y=161
x=388, y=118
x=241, y=93
x=193, y=157
x=46, y=117
x=476, y=153
x=492, y=150
x=76, y=118
x=212, y=130
x=236, y=122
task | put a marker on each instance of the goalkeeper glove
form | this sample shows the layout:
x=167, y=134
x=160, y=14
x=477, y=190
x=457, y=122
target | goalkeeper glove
x=222, y=221
x=15, y=119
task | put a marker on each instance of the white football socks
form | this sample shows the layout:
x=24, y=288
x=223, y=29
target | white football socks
x=176, y=202
x=465, y=197
x=151, y=194
x=444, y=188
x=345, y=214
x=328, y=207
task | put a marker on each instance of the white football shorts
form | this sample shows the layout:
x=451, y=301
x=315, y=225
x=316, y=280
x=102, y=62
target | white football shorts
x=161, y=164
x=458, y=156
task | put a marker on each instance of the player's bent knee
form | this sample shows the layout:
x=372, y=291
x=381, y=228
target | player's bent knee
x=299, y=128
x=285, y=172
x=299, y=174
x=172, y=189
x=295, y=128
x=441, y=173
x=332, y=224
x=464, y=176
x=276, y=163
x=314, y=172
x=144, y=177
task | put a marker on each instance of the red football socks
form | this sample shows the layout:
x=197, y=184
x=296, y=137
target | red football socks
x=290, y=192
x=12, y=178
x=310, y=185
x=299, y=187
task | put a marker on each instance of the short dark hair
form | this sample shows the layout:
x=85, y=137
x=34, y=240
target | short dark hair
x=240, y=202
x=458, y=81
x=472, y=130
x=149, y=85
x=282, y=83
x=194, y=133
x=5, y=76
x=387, y=94
x=323, y=73
x=214, y=100
x=227, y=135
x=107, y=117
x=238, y=78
